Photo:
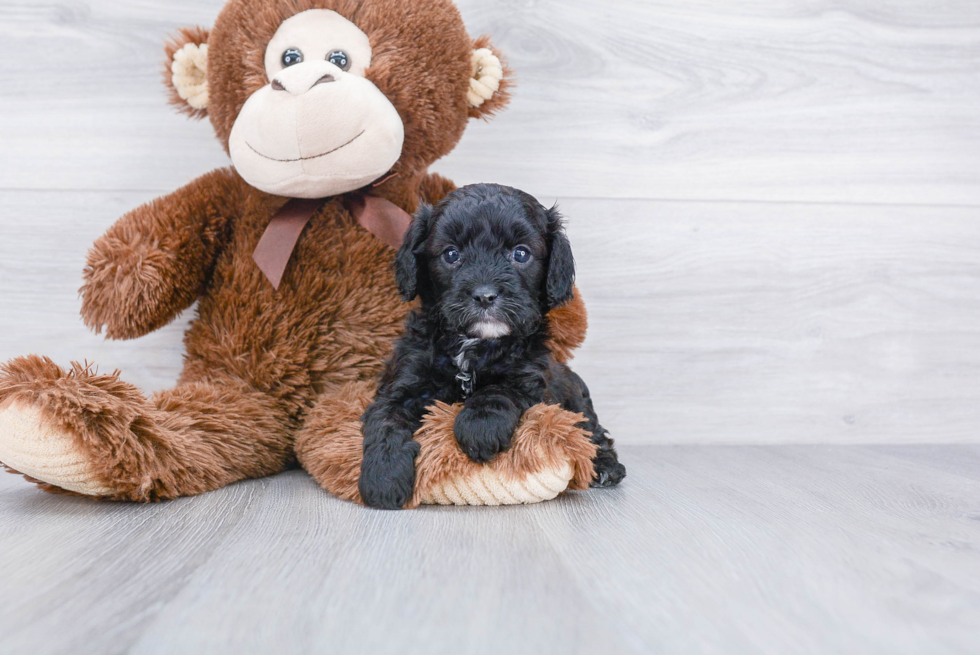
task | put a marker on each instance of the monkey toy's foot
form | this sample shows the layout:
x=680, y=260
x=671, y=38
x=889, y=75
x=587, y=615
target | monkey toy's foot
x=93, y=434
x=46, y=453
x=40, y=410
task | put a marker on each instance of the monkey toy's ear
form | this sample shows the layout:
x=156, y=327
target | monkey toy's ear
x=561, y=264
x=409, y=262
x=491, y=82
x=186, y=71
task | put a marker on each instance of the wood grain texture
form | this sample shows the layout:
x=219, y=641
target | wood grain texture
x=830, y=101
x=775, y=323
x=710, y=322
x=788, y=549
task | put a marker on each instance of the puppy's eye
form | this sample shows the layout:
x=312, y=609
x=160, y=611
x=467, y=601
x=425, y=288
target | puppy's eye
x=291, y=57
x=451, y=256
x=339, y=59
x=522, y=255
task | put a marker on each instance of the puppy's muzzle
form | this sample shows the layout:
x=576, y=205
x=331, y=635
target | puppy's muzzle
x=487, y=324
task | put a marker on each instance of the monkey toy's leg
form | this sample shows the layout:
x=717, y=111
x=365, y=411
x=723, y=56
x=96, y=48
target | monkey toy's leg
x=569, y=390
x=93, y=434
x=550, y=454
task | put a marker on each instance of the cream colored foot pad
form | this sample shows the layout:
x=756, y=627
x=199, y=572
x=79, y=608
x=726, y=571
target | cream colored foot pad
x=30, y=445
x=487, y=487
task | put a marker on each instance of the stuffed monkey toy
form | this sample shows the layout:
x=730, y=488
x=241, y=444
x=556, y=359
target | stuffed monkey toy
x=331, y=111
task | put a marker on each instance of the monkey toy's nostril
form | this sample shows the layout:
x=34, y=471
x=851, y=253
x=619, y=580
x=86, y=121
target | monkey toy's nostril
x=277, y=86
x=325, y=79
x=484, y=296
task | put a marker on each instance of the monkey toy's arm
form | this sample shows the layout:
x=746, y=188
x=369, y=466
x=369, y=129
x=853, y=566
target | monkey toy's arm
x=154, y=261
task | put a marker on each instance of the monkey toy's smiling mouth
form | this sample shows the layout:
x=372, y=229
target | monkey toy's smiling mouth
x=323, y=154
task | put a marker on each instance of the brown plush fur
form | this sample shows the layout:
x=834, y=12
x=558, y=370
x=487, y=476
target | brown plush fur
x=263, y=366
x=569, y=324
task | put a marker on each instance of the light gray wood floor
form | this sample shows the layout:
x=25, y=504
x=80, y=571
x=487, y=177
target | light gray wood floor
x=774, y=209
x=704, y=549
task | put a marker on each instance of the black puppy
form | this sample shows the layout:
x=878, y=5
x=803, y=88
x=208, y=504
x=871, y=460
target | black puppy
x=489, y=262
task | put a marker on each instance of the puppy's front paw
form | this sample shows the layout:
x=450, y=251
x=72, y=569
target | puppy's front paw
x=388, y=474
x=482, y=432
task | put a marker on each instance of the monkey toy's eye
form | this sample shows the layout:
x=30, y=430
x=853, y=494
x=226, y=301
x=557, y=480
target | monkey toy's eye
x=522, y=255
x=339, y=59
x=451, y=256
x=291, y=57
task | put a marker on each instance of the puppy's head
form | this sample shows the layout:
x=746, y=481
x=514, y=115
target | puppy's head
x=490, y=258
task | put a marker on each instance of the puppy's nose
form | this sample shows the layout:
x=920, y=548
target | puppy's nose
x=484, y=295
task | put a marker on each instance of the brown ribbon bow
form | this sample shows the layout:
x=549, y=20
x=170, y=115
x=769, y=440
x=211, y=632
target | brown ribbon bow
x=382, y=218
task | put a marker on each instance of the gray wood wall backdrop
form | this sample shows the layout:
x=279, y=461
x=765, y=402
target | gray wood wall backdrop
x=774, y=204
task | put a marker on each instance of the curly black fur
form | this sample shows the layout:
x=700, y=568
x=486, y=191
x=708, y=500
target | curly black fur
x=488, y=262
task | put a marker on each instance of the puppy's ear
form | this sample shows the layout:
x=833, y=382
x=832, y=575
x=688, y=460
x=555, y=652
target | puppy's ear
x=561, y=264
x=408, y=262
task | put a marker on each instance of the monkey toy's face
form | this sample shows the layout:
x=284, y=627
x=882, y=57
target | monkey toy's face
x=319, y=124
x=315, y=98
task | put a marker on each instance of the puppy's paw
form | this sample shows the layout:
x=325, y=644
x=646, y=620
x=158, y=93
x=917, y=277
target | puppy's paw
x=608, y=471
x=483, y=431
x=388, y=474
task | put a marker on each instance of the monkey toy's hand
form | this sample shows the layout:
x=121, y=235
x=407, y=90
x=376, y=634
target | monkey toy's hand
x=388, y=471
x=485, y=425
x=154, y=261
x=128, y=290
